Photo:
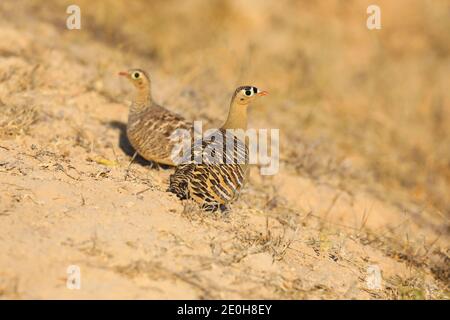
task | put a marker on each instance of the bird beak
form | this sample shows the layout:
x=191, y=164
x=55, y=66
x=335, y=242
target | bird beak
x=263, y=93
x=123, y=73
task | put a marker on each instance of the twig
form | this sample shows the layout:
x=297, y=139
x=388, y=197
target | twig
x=142, y=191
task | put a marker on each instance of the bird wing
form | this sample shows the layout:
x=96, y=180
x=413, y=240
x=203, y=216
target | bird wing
x=215, y=171
x=150, y=133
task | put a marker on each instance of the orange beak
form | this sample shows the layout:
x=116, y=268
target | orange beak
x=123, y=73
x=263, y=93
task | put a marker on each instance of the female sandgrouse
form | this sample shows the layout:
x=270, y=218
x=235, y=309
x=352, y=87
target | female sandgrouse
x=215, y=169
x=150, y=125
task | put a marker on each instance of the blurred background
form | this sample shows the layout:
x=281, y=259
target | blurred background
x=370, y=105
x=364, y=134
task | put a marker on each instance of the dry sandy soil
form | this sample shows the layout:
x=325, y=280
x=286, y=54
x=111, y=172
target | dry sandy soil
x=64, y=199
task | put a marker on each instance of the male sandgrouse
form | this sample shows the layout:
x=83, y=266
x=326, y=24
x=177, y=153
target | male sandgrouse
x=215, y=170
x=150, y=125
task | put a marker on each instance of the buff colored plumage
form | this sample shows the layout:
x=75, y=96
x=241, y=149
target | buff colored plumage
x=218, y=179
x=150, y=125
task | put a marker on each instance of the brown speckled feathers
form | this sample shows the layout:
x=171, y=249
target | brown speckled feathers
x=150, y=126
x=149, y=131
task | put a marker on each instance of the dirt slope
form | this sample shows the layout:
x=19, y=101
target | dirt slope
x=64, y=200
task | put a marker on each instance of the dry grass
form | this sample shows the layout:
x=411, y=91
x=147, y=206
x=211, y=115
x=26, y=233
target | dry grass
x=16, y=120
x=358, y=110
x=413, y=288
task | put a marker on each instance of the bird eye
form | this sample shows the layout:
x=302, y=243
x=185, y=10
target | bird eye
x=136, y=75
x=248, y=93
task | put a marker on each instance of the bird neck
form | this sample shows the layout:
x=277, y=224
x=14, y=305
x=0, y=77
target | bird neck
x=143, y=99
x=237, y=116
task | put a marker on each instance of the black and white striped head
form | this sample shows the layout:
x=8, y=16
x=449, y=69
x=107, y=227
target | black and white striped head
x=246, y=94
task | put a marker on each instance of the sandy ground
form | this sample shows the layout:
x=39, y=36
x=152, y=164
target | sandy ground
x=64, y=200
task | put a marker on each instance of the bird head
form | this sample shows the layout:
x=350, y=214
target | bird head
x=138, y=77
x=246, y=94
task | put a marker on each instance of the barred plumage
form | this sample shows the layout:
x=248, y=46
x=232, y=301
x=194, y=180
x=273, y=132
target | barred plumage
x=220, y=176
x=218, y=179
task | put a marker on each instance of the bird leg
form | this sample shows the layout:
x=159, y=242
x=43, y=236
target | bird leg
x=225, y=209
x=154, y=165
x=129, y=165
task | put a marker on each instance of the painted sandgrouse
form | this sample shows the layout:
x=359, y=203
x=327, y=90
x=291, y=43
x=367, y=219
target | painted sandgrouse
x=150, y=125
x=214, y=173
